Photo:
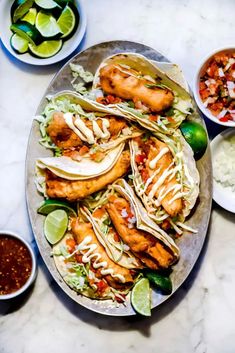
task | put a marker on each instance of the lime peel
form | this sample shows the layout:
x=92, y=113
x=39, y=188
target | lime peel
x=55, y=226
x=67, y=21
x=51, y=205
x=141, y=297
x=46, y=49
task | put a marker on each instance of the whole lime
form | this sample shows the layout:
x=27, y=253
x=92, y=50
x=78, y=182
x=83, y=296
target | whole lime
x=196, y=136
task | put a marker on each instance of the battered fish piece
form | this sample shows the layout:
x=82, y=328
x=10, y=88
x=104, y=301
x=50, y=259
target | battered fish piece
x=57, y=187
x=120, y=274
x=61, y=135
x=143, y=245
x=64, y=137
x=173, y=208
x=122, y=83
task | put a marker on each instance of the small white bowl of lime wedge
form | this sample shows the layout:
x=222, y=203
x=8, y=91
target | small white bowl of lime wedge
x=42, y=32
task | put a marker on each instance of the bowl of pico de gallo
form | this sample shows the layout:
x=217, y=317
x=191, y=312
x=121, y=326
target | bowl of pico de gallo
x=214, y=88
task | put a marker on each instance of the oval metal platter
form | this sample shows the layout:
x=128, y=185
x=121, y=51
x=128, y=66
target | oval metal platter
x=190, y=244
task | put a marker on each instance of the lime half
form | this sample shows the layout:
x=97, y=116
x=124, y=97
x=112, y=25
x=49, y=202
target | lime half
x=196, y=136
x=19, y=44
x=67, y=21
x=55, y=226
x=47, y=4
x=141, y=297
x=51, y=205
x=46, y=24
x=46, y=49
x=30, y=16
x=26, y=31
x=20, y=8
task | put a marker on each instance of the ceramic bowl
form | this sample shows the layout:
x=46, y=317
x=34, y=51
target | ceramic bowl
x=34, y=266
x=68, y=46
x=200, y=71
x=222, y=195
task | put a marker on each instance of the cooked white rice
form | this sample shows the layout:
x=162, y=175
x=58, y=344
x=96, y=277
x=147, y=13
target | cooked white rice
x=224, y=163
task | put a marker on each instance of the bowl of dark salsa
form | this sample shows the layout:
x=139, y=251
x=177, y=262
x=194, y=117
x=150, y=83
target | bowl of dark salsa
x=17, y=265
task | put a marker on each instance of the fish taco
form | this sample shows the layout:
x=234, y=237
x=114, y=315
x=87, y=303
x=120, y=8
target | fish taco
x=133, y=85
x=132, y=239
x=165, y=178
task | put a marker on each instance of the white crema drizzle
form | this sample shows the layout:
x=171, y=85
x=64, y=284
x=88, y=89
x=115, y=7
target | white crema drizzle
x=83, y=132
x=88, y=252
x=169, y=174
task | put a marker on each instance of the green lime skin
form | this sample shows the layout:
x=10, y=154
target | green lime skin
x=19, y=8
x=160, y=281
x=20, y=45
x=27, y=31
x=77, y=20
x=46, y=49
x=52, y=205
x=196, y=136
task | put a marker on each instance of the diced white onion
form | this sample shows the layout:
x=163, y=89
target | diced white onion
x=209, y=100
x=124, y=213
x=221, y=72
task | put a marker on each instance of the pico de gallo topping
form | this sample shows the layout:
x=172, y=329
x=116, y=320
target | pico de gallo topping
x=217, y=87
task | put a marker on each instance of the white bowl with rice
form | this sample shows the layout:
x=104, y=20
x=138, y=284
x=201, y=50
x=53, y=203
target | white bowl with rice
x=223, y=162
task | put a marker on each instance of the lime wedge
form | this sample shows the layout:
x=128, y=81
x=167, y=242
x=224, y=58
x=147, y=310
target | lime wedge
x=195, y=134
x=20, y=45
x=51, y=205
x=46, y=49
x=67, y=21
x=47, y=4
x=27, y=31
x=30, y=16
x=55, y=226
x=141, y=297
x=20, y=8
x=46, y=24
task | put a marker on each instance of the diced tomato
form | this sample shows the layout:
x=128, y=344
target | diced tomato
x=216, y=108
x=170, y=119
x=116, y=237
x=153, y=117
x=165, y=224
x=119, y=299
x=83, y=150
x=112, y=99
x=71, y=244
x=78, y=258
x=224, y=119
x=202, y=86
x=144, y=175
x=101, y=286
x=212, y=70
x=139, y=158
x=101, y=100
x=204, y=94
x=97, y=156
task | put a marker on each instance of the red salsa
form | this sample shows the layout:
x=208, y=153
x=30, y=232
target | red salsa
x=15, y=264
x=217, y=86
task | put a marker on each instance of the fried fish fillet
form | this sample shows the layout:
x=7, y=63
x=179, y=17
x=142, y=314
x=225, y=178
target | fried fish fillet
x=121, y=276
x=122, y=83
x=57, y=187
x=64, y=137
x=155, y=147
x=143, y=245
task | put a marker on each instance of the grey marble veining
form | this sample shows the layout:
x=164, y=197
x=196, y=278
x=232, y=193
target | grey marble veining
x=200, y=316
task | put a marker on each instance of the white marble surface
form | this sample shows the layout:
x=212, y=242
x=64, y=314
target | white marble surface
x=200, y=317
